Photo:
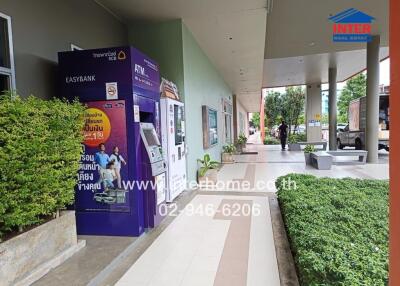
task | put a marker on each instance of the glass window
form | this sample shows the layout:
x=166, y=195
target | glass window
x=5, y=83
x=4, y=44
x=213, y=126
x=7, y=78
x=178, y=118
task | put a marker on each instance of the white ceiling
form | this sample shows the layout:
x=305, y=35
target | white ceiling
x=314, y=68
x=299, y=47
x=230, y=32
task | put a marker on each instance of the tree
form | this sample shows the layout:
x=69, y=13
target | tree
x=273, y=103
x=356, y=87
x=293, y=106
x=288, y=106
x=255, y=120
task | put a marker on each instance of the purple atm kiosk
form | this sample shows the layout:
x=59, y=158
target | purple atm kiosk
x=121, y=181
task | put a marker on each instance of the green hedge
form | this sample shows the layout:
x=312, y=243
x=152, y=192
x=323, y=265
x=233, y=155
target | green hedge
x=296, y=138
x=271, y=141
x=338, y=229
x=40, y=148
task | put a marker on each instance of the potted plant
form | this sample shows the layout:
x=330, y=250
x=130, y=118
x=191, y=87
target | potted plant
x=307, y=153
x=227, y=154
x=208, y=170
x=241, y=142
x=294, y=139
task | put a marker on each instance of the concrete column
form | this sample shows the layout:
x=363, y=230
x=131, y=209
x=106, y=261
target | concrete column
x=313, y=112
x=332, y=106
x=372, y=120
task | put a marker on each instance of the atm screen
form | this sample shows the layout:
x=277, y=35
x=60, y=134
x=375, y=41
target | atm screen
x=151, y=137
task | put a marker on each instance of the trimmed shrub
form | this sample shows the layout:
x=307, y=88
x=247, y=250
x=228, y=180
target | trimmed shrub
x=40, y=149
x=271, y=141
x=296, y=138
x=338, y=229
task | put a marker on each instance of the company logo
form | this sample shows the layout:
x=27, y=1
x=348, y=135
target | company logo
x=121, y=55
x=352, y=25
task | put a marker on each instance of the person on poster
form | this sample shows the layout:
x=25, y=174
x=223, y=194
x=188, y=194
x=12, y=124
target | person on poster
x=283, y=134
x=109, y=176
x=118, y=161
x=101, y=158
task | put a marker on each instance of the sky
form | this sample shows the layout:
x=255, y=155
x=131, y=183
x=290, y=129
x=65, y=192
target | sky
x=384, y=78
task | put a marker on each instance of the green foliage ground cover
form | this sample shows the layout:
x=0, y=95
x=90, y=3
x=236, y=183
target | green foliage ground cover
x=40, y=148
x=338, y=229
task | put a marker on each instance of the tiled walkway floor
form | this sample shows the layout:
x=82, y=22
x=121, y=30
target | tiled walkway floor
x=207, y=246
x=216, y=240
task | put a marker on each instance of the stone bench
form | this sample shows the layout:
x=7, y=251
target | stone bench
x=361, y=154
x=299, y=146
x=321, y=160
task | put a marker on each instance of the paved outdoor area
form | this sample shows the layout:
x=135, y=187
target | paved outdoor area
x=211, y=237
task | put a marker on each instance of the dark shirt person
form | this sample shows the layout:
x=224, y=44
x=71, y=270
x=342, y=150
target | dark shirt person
x=283, y=134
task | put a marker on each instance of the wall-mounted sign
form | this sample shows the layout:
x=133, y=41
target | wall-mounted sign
x=210, y=126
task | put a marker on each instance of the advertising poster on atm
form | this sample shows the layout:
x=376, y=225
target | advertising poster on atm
x=104, y=163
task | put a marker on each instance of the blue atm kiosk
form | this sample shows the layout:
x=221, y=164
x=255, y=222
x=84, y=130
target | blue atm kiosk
x=118, y=193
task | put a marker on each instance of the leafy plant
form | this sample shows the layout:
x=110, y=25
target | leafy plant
x=296, y=138
x=242, y=139
x=206, y=164
x=229, y=149
x=40, y=149
x=271, y=141
x=337, y=228
x=309, y=148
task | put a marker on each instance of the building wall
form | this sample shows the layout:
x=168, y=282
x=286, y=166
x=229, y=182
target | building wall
x=163, y=43
x=43, y=28
x=182, y=61
x=203, y=86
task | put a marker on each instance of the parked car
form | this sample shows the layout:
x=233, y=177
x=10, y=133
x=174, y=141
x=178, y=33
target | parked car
x=103, y=198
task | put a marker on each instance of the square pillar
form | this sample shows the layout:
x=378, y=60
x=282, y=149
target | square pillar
x=332, y=106
x=313, y=112
x=372, y=120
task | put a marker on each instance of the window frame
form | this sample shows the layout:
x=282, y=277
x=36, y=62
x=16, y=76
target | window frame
x=9, y=71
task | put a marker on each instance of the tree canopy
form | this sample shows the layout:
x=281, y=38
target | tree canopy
x=356, y=87
x=288, y=106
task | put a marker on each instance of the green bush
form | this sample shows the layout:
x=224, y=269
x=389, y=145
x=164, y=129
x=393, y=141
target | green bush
x=296, y=138
x=40, y=149
x=338, y=229
x=309, y=148
x=271, y=141
x=229, y=149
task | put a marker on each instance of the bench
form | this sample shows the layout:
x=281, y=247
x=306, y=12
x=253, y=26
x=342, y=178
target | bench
x=321, y=160
x=361, y=154
x=299, y=146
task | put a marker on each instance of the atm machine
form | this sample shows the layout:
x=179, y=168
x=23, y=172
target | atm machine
x=173, y=141
x=120, y=87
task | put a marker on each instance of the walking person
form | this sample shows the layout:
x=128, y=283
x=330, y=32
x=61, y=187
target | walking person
x=283, y=134
x=118, y=161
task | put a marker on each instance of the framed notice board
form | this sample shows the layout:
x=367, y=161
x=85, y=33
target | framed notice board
x=210, y=126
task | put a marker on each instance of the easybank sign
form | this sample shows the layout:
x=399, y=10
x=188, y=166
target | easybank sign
x=352, y=25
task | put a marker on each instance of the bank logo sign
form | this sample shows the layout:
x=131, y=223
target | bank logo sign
x=352, y=25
